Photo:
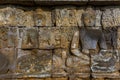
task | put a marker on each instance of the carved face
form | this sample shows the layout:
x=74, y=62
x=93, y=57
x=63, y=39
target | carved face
x=89, y=17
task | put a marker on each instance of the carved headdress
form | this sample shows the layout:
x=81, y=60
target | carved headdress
x=89, y=17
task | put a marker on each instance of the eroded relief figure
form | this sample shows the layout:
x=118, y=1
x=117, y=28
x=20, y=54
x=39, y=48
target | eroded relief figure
x=93, y=48
x=86, y=39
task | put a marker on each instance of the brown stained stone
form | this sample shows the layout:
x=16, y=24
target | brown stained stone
x=80, y=78
x=12, y=16
x=105, y=64
x=9, y=59
x=29, y=79
x=98, y=79
x=7, y=16
x=34, y=61
x=49, y=38
x=66, y=36
x=60, y=79
x=3, y=37
x=107, y=18
x=28, y=19
x=79, y=13
x=42, y=17
x=65, y=16
x=59, y=59
x=8, y=37
x=116, y=16
x=111, y=17
x=12, y=37
x=29, y=38
x=77, y=65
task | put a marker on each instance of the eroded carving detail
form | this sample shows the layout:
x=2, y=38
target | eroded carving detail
x=49, y=38
x=34, y=61
x=30, y=38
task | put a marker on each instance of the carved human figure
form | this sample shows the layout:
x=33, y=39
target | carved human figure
x=89, y=35
x=88, y=38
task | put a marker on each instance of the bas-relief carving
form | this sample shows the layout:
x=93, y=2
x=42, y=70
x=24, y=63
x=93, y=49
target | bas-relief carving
x=90, y=44
x=34, y=61
x=62, y=51
x=8, y=37
x=29, y=38
x=49, y=37
x=65, y=16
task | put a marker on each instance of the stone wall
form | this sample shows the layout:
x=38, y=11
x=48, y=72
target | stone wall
x=43, y=43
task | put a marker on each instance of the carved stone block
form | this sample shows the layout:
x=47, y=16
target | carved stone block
x=29, y=38
x=7, y=60
x=34, y=61
x=65, y=16
x=7, y=16
x=8, y=37
x=43, y=17
x=49, y=38
x=66, y=36
x=11, y=16
x=116, y=16
x=28, y=19
x=107, y=18
x=111, y=17
x=105, y=64
x=59, y=65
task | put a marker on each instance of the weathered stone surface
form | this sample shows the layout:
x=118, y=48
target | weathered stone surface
x=118, y=38
x=11, y=16
x=49, y=38
x=8, y=37
x=106, y=63
x=60, y=79
x=28, y=19
x=98, y=17
x=7, y=16
x=34, y=61
x=28, y=38
x=65, y=16
x=116, y=16
x=66, y=36
x=59, y=59
x=42, y=17
x=79, y=12
x=77, y=78
x=107, y=18
x=4, y=67
x=78, y=64
x=7, y=60
x=98, y=79
x=111, y=35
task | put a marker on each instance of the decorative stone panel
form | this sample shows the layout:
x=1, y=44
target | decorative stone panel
x=65, y=16
x=34, y=62
x=49, y=37
x=28, y=38
x=43, y=17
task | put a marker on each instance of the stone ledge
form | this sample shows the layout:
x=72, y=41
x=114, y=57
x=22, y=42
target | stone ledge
x=59, y=2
